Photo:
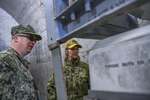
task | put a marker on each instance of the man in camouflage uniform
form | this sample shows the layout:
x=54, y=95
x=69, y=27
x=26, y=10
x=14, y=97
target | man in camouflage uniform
x=76, y=74
x=16, y=82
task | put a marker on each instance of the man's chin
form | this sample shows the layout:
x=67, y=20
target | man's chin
x=75, y=57
x=29, y=52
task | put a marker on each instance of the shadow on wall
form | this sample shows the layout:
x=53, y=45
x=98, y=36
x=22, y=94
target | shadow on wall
x=6, y=22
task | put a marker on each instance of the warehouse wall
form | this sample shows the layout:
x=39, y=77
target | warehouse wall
x=6, y=22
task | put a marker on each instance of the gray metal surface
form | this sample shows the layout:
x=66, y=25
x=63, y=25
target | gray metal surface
x=59, y=81
x=122, y=63
x=103, y=95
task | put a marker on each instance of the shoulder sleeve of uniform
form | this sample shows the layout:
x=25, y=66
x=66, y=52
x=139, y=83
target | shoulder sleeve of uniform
x=51, y=88
x=6, y=72
x=84, y=64
x=3, y=63
x=8, y=61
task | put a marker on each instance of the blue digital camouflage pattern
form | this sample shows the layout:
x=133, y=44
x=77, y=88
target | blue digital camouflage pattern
x=16, y=82
x=76, y=76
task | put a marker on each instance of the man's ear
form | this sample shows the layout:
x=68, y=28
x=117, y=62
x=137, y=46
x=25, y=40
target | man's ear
x=15, y=38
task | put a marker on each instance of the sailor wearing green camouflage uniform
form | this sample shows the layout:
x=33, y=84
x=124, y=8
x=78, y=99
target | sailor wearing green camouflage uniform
x=76, y=74
x=16, y=81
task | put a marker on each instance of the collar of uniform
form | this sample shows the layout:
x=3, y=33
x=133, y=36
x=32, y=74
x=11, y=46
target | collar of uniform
x=24, y=61
x=72, y=62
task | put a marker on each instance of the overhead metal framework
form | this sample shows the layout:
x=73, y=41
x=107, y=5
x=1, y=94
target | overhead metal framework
x=94, y=19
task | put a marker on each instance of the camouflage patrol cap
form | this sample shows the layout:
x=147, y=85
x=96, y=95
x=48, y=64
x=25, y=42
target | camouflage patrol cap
x=72, y=43
x=21, y=29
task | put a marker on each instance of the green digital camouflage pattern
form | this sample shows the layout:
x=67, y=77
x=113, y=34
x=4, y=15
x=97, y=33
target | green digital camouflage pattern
x=22, y=29
x=16, y=82
x=76, y=76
